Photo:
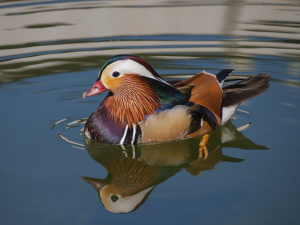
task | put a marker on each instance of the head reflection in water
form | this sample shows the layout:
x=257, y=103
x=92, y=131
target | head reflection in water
x=127, y=186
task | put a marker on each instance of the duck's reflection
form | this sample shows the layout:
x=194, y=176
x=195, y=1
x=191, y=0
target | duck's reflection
x=134, y=173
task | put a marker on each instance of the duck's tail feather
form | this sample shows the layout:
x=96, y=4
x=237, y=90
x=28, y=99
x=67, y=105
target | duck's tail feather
x=248, y=88
x=248, y=83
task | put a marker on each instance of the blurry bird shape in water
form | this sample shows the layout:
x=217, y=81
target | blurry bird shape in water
x=133, y=175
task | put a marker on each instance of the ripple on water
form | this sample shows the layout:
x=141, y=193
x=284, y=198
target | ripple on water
x=70, y=131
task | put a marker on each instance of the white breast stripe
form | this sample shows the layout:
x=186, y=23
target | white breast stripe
x=124, y=135
x=201, y=122
x=134, y=132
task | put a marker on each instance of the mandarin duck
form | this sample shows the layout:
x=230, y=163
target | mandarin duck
x=143, y=108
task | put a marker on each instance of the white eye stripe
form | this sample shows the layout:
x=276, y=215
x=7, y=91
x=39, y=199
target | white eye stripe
x=129, y=66
x=124, y=136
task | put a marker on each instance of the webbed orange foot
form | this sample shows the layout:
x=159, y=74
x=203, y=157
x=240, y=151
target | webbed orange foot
x=203, y=152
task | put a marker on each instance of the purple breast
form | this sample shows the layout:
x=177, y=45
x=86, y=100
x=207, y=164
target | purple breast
x=103, y=128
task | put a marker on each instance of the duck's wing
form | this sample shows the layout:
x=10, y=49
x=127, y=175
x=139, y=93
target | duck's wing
x=206, y=93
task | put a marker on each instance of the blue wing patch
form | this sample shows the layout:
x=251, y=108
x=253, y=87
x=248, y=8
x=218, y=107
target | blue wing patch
x=204, y=111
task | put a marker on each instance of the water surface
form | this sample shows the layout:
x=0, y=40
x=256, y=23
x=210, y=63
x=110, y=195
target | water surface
x=51, y=52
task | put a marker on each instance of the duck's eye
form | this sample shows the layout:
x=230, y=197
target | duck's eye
x=114, y=198
x=116, y=74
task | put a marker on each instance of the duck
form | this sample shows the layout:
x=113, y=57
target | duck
x=143, y=108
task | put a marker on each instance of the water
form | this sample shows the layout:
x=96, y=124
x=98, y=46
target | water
x=51, y=52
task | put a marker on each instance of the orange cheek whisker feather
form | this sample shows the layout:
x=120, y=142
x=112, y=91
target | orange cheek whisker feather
x=132, y=101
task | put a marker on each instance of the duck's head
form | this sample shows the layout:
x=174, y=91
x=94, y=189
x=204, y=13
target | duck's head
x=135, y=89
x=122, y=69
